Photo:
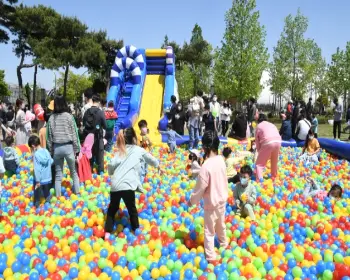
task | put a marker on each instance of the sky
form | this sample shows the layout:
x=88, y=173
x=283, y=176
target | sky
x=145, y=23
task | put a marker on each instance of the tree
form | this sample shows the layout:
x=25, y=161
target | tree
x=101, y=70
x=243, y=57
x=4, y=90
x=75, y=86
x=7, y=11
x=32, y=24
x=295, y=56
x=71, y=45
x=338, y=75
x=197, y=55
x=185, y=83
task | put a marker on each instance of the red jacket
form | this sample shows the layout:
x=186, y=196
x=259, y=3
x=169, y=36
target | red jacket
x=110, y=114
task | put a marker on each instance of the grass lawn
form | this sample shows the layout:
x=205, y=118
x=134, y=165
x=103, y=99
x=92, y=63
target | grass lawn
x=326, y=131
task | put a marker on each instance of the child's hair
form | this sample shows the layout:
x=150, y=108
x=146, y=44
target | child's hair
x=142, y=123
x=125, y=137
x=34, y=141
x=246, y=169
x=96, y=98
x=251, y=146
x=206, y=106
x=9, y=140
x=262, y=118
x=170, y=126
x=210, y=141
x=111, y=104
x=336, y=188
x=192, y=157
x=226, y=152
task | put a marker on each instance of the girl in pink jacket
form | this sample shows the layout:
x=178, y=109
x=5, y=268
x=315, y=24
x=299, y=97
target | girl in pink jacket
x=213, y=188
x=268, y=144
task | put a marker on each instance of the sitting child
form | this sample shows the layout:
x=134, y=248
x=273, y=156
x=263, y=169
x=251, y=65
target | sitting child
x=194, y=157
x=42, y=170
x=245, y=193
x=11, y=159
x=312, y=148
x=314, y=190
x=171, y=137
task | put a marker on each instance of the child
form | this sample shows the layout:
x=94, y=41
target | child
x=111, y=118
x=42, y=170
x=335, y=192
x=11, y=159
x=125, y=171
x=194, y=157
x=84, y=167
x=213, y=188
x=245, y=193
x=172, y=134
x=208, y=119
x=312, y=148
x=144, y=140
x=314, y=124
x=42, y=131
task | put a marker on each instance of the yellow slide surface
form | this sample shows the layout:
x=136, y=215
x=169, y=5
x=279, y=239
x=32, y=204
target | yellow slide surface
x=151, y=106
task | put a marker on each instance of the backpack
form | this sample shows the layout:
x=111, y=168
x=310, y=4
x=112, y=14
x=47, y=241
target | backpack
x=91, y=123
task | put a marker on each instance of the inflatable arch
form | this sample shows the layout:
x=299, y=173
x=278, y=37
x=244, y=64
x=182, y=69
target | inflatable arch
x=120, y=65
x=133, y=53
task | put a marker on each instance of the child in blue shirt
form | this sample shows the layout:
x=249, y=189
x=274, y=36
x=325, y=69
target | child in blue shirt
x=171, y=137
x=42, y=169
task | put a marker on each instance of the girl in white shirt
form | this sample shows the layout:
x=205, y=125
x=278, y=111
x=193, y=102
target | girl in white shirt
x=225, y=117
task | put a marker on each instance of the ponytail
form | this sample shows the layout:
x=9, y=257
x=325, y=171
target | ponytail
x=121, y=143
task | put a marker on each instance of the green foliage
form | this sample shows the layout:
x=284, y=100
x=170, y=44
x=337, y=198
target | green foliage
x=243, y=57
x=336, y=75
x=4, y=90
x=70, y=45
x=100, y=70
x=185, y=83
x=297, y=61
x=76, y=84
x=7, y=16
x=197, y=55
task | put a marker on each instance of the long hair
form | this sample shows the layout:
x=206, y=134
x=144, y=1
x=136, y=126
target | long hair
x=125, y=137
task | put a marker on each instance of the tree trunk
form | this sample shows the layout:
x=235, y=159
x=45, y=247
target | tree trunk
x=19, y=72
x=34, y=83
x=65, y=81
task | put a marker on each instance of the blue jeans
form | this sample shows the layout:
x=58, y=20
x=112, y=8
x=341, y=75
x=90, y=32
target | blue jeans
x=43, y=190
x=62, y=152
x=194, y=137
x=109, y=137
x=172, y=147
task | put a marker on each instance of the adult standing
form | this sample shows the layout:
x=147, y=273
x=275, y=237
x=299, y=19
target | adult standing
x=338, y=114
x=88, y=93
x=268, y=144
x=22, y=135
x=303, y=127
x=251, y=114
x=195, y=110
x=3, y=118
x=63, y=142
x=11, y=117
x=179, y=119
x=173, y=108
x=295, y=117
x=215, y=109
x=309, y=107
x=94, y=122
x=290, y=108
x=225, y=117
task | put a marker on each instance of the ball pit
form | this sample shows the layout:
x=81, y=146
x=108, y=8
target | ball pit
x=293, y=237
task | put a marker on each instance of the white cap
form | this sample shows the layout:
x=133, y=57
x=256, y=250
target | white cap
x=196, y=152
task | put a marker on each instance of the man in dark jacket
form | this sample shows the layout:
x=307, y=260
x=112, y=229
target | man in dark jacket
x=239, y=128
x=94, y=121
x=296, y=112
x=286, y=128
x=309, y=107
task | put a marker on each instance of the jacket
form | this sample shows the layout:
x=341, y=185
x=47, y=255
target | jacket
x=286, y=130
x=266, y=132
x=126, y=171
x=249, y=192
x=42, y=166
x=11, y=159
